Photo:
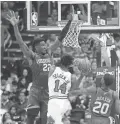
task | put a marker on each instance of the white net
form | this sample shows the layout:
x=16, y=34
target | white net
x=71, y=38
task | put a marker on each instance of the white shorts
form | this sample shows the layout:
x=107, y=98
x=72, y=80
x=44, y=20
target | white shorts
x=57, y=108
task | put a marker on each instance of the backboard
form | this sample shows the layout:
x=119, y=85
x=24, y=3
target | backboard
x=98, y=16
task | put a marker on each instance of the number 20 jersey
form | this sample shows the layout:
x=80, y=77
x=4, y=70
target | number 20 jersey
x=59, y=84
x=101, y=103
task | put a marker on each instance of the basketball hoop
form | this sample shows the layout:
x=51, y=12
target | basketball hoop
x=71, y=38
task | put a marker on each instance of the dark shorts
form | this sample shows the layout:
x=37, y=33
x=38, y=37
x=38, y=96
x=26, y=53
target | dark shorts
x=38, y=98
x=100, y=120
x=38, y=102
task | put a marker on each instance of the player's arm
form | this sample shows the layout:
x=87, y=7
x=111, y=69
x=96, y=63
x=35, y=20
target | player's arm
x=59, y=39
x=73, y=82
x=52, y=69
x=14, y=21
x=82, y=90
x=117, y=103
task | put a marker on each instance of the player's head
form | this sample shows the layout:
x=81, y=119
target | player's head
x=116, y=37
x=66, y=61
x=40, y=46
x=107, y=80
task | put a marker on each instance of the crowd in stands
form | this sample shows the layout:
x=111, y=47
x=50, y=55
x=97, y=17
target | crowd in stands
x=6, y=27
x=16, y=76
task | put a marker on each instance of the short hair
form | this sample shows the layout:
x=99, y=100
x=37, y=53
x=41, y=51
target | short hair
x=36, y=41
x=115, y=35
x=108, y=79
x=66, y=60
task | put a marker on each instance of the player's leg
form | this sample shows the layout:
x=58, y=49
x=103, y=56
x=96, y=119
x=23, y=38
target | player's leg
x=54, y=112
x=100, y=121
x=43, y=112
x=33, y=106
x=43, y=106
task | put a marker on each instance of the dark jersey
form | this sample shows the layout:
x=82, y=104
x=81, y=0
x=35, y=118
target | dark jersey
x=40, y=68
x=101, y=103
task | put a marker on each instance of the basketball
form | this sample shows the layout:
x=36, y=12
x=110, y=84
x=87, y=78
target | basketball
x=83, y=64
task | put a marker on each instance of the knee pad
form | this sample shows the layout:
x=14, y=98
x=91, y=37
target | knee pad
x=33, y=111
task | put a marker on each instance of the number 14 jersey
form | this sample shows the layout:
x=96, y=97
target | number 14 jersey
x=101, y=103
x=59, y=84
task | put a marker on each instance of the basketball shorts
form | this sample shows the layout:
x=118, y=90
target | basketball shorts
x=100, y=120
x=58, y=108
x=37, y=101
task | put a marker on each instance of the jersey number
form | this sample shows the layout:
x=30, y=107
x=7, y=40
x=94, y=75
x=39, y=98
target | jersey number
x=46, y=67
x=61, y=87
x=100, y=108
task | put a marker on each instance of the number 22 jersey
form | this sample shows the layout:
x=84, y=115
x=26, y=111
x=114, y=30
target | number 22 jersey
x=40, y=66
x=101, y=103
x=59, y=84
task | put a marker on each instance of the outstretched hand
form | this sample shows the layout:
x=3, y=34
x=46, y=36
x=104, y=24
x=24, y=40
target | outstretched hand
x=11, y=17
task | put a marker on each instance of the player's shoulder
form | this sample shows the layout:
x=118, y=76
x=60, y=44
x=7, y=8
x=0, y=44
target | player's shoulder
x=115, y=94
x=52, y=70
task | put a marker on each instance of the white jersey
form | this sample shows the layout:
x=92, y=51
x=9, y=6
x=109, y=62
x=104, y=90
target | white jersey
x=59, y=84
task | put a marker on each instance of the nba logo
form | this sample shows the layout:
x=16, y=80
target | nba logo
x=34, y=19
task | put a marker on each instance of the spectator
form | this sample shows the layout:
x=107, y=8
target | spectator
x=5, y=102
x=11, y=5
x=68, y=17
x=9, y=121
x=12, y=65
x=98, y=9
x=57, y=53
x=14, y=92
x=54, y=15
x=4, y=8
x=6, y=117
x=3, y=83
x=116, y=37
x=14, y=87
x=51, y=39
x=94, y=66
x=22, y=83
x=14, y=115
x=89, y=80
x=13, y=77
x=50, y=22
x=22, y=102
x=83, y=12
x=26, y=74
x=30, y=46
x=33, y=8
x=23, y=117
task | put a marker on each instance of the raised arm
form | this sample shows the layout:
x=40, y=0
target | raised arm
x=81, y=90
x=59, y=39
x=14, y=21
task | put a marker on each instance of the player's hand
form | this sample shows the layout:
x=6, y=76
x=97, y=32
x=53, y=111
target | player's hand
x=72, y=13
x=72, y=98
x=11, y=17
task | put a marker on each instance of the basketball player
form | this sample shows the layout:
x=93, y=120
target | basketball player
x=40, y=64
x=102, y=99
x=60, y=82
